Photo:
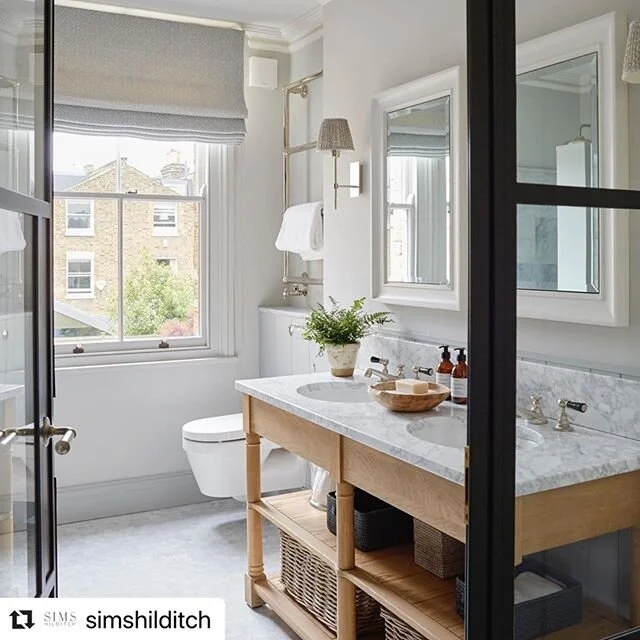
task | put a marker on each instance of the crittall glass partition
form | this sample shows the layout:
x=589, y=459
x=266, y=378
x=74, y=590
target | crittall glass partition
x=553, y=475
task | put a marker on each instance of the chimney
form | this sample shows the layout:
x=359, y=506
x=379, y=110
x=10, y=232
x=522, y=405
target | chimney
x=174, y=171
x=89, y=169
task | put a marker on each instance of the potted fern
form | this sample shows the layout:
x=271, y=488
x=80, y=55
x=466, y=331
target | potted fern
x=338, y=331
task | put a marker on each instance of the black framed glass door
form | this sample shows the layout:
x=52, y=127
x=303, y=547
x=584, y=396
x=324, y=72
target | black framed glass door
x=573, y=511
x=27, y=483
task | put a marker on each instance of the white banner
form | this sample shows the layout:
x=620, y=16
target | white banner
x=156, y=618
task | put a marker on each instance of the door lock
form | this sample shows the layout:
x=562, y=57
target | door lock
x=63, y=446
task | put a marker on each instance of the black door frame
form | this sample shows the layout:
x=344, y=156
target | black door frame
x=37, y=212
x=494, y=194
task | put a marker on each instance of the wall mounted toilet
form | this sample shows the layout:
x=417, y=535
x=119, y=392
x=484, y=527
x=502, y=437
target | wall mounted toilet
x=216, y=452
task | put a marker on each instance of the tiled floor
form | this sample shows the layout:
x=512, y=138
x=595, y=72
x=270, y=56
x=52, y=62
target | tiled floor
x=196, y=551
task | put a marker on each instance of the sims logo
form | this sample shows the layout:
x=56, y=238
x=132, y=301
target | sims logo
x=60, y=619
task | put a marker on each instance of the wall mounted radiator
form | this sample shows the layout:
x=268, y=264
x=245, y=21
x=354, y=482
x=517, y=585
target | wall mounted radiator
x=294, y=285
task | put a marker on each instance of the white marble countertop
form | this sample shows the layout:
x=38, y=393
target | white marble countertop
x=561, y=459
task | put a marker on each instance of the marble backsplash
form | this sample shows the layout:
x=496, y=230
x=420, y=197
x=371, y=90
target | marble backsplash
x=614, y=401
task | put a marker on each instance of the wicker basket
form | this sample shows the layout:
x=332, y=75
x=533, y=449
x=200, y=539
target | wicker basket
x=540, y=616
x=395, y=629
x=314, y=585
x=437, y=552
x=376, y=524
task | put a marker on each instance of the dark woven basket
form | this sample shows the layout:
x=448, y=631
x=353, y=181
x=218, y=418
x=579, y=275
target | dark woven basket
x=437, y=552
x=541, y=616
x=377, y=525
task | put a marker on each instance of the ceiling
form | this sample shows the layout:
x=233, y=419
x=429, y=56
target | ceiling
x=275, y=18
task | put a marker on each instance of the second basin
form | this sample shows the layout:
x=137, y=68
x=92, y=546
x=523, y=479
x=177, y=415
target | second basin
x=450, y=432
x=336, y=391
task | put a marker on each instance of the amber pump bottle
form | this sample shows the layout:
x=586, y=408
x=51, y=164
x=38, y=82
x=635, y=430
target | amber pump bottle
x=459, y=377
x=443, y=372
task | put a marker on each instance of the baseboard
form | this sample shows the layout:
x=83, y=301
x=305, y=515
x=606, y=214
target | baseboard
x=131, y=495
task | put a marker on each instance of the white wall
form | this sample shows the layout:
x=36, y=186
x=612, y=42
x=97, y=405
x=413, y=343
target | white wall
x=404, y=40
x=128, y=454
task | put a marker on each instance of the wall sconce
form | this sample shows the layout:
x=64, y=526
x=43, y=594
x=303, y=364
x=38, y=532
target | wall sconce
x=335, y=136
x=631, y=68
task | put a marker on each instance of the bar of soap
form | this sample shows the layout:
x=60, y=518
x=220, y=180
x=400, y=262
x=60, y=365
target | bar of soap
x=412, y=387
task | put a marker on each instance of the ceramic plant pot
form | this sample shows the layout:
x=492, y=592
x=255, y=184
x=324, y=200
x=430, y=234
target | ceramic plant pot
x=342, y=358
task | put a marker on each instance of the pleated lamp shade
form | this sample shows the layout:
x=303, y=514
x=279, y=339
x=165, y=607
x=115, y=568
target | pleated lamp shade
x=335, y=135
x=631, y=70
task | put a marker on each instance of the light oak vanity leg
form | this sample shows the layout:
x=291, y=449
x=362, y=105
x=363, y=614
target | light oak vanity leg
x=346, y=560
x=255, y=560
x=635, y=576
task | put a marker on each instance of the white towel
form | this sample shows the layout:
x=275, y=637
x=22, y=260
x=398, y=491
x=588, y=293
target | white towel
x=302, y=232
x=529, y=585
x=11, y=236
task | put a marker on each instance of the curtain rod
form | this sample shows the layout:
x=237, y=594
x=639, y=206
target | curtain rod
x=145, y=13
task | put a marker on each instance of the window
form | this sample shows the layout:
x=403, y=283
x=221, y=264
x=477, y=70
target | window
x=165, y=219
x=79, y=217
x=79, y=274
x=171, y=263
x=125, y=279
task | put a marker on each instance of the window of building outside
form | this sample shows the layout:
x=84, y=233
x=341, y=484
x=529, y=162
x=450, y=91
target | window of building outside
x=129, y=246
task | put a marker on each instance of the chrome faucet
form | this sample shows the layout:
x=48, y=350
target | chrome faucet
x=383, y=374
x=563, y=423
x=533, y=415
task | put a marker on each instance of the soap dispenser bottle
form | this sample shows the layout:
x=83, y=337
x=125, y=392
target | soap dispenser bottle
x=443, y=372
x=459, y=377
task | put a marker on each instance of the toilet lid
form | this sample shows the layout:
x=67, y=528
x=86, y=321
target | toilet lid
x=217, y=429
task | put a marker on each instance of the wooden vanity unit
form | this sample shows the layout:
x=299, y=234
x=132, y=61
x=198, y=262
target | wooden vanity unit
x=544, y=520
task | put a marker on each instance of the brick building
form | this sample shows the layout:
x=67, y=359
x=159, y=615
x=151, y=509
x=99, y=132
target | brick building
x=86, y=232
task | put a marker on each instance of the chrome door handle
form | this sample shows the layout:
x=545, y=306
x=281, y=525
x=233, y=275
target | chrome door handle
x=7, y=436
x=63, y=446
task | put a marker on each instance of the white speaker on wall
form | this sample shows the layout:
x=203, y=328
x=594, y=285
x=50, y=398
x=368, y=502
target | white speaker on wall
x=263, y=72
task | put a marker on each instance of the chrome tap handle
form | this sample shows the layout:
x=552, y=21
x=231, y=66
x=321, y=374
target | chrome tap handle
x=400, y=371
x=425, y=371
x=577, y=406
x=383, y=361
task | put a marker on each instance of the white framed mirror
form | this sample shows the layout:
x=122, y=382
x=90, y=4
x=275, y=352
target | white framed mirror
x=573, y=262
x=419, y=193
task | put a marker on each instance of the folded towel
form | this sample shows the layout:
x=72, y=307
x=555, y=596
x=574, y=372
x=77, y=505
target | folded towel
x=11, y=236
x=529, y=585
x=302, y=232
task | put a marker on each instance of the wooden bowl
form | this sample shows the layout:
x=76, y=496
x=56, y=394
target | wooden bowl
x=385, y=393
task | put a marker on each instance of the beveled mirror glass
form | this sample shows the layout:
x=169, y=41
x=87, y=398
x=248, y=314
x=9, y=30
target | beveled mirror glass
x=418, y=202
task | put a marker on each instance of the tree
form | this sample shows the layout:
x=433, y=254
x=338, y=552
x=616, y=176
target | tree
x=155, y=296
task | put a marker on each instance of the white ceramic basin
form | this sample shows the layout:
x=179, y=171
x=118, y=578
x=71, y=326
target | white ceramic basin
x=450, y=432
x=336, y=391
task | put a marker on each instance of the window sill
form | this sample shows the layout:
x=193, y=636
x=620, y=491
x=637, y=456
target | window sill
x=79, y=234
x=80, y=296
x=141, y=357
x=165, y=234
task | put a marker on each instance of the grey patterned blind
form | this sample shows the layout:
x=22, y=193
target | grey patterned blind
x=126, y=75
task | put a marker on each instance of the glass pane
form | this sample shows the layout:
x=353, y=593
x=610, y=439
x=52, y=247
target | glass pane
x=418, y=201
x=21, y=95
x=17, y=469
x=85, y=163
x=164, y=168
x=578, y=447
x=161, y=256
x=86, y=272
x=558, y=124
x=559, y=248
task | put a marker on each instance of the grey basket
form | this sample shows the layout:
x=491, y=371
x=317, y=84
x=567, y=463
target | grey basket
x=437, y=552
x=540, y=616
x=314, y=585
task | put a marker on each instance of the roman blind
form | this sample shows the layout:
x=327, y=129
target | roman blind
x=157, y=79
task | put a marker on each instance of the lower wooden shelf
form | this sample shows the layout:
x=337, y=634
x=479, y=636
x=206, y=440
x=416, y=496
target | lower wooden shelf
x=419, y=598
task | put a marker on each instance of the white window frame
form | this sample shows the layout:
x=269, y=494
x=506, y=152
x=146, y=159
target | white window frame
x=220, y=167
x=172, y=230
x=80, y=232
x=86, y=294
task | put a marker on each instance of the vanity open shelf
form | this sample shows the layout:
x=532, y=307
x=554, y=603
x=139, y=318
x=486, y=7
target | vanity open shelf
x=416, y=596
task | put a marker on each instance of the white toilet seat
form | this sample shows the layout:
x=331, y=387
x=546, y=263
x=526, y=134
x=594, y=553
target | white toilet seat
x=215, y=429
